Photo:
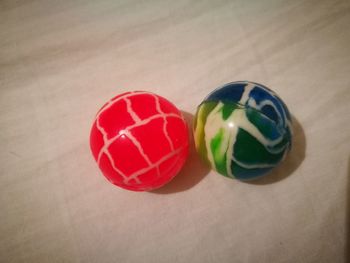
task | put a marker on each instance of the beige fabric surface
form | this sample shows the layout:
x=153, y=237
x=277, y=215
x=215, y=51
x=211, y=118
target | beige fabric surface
x=61, y=60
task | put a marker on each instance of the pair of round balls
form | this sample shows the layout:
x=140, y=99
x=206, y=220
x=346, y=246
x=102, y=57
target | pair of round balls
x=141, y=141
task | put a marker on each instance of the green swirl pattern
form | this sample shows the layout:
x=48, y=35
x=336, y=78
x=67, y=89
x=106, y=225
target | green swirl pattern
x=239, y=140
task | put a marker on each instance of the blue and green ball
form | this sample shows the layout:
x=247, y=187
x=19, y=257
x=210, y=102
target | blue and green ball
x=243, y=130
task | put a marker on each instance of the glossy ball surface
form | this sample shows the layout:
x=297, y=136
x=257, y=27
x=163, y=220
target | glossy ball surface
x=139, y=140
x=243, y=130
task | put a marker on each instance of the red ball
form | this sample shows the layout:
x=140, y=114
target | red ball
x=139, y=140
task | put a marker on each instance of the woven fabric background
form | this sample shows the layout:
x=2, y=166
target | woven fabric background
x=61, y=60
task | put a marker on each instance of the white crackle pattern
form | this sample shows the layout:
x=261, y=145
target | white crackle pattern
x=113, y=101
x=108, y=142
x=127, y=133
x=165, y=123
x=154, y=165
x=131, y=111
x=138, y=146
x=107, y=153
